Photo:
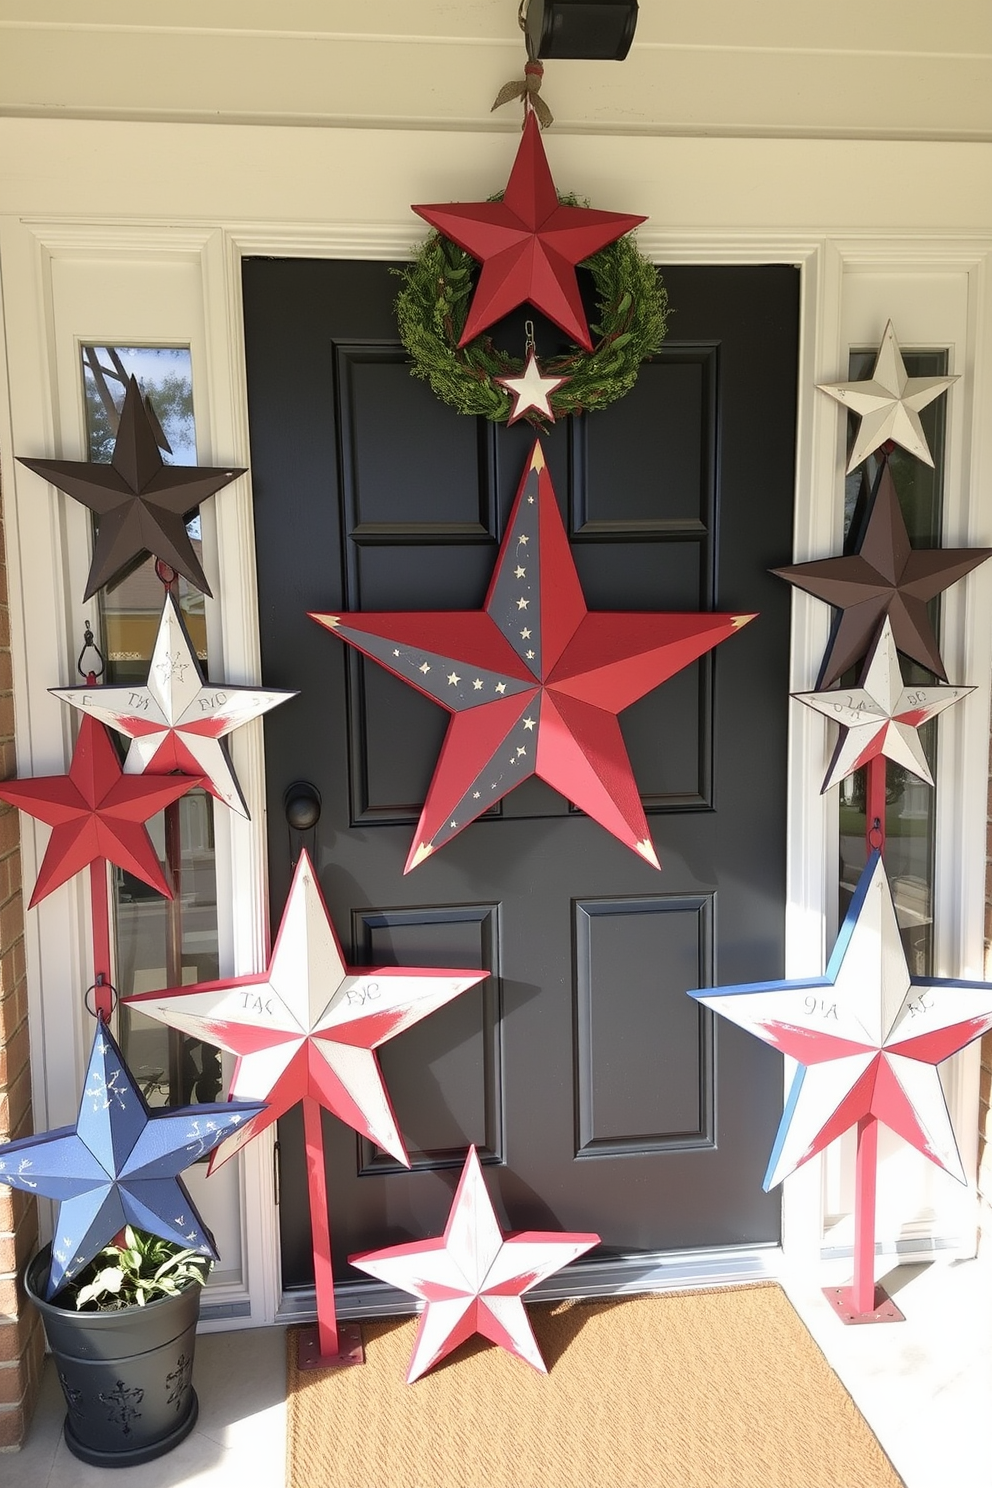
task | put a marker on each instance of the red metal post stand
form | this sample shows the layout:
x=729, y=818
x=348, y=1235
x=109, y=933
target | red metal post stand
x=103, y=995
x=325, y=1346
x=863, y=1301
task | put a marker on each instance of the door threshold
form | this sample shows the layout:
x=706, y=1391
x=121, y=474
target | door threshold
x=609, y=1276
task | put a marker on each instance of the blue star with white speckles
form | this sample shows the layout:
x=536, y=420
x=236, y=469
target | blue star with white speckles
x=119, y=1164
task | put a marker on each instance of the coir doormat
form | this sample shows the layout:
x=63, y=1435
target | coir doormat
x=714, y=1389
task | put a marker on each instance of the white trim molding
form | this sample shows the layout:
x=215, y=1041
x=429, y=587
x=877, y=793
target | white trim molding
x=159, y=259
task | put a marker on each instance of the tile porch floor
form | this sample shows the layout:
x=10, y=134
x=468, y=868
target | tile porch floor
x=925, y=1387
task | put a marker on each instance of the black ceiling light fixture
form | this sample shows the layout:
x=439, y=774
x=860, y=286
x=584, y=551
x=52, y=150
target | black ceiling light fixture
x=598, y=30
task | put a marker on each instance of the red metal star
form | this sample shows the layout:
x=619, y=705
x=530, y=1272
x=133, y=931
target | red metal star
x=472, y=1279
x=528, y=244
x=96, y=811
x=534, y=681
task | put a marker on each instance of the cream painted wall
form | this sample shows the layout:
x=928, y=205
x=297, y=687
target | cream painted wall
x=751, y=67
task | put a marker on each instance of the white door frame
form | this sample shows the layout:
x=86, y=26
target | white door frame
x=145, y=271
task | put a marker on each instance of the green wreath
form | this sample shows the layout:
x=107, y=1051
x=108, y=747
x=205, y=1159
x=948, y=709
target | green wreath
x=433, y=303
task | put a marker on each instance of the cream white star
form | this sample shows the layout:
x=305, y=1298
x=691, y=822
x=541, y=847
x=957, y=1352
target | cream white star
x=500, y=686
x=525, y=634
x=453, y=679
x=529, y=723
x=881, y=716
x=531, y=391
x=889, y=403
x=522, y=604
x=477, y=684
x=519, y=573
x=425, y=668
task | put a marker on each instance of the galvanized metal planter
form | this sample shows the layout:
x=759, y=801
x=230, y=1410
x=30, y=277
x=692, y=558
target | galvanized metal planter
x=127, y=1376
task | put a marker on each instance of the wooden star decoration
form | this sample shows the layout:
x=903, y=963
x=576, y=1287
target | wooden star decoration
x=119, y=1165
x=95, y=812
x=308, y=1025
x=473, y=1277
x=178, y=721
x=141, y=502
x=534, y=682
x=889, y=404
x=528, y=244
x=886, y=576
x=531, y=391
x=881, y=716
x=867, y=1036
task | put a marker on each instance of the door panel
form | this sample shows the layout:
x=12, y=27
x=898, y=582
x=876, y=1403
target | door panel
x=601, y=1095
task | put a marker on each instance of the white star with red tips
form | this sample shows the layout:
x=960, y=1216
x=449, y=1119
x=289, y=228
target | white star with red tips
x=308, y=1025
x=177, y=722
x=868, y=1037
x=472, y=1278
x=531, y=391
x=881, y=716
x=889, y=403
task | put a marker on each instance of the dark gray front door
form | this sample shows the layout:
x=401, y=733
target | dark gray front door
x=602, y=1096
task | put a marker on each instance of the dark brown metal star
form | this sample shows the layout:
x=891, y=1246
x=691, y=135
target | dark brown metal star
x=141, y=502
x=886, y=576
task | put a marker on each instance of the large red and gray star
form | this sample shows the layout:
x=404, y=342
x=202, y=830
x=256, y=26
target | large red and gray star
x=472, y=1278
x=881, y=716
x=178, y=721
x=528, y=244
x=119, y=1165
x=141, y=502
x=886, y=576
x=868, y=1037
x=309, y=1025
x=95, y=811
x=534, y=682
x=889, y=403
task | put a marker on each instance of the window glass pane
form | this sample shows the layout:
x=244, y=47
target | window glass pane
x=910, y=803
x=159, y=942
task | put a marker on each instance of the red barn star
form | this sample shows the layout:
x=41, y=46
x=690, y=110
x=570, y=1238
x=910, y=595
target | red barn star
x=534, y=682
x=96, y=811
x=528, y=244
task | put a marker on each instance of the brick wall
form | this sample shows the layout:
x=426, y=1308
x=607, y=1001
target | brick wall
x=21, y=1336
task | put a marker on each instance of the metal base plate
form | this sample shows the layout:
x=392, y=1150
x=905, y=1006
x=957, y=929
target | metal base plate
x=841, y=1299
x=351, y=1350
